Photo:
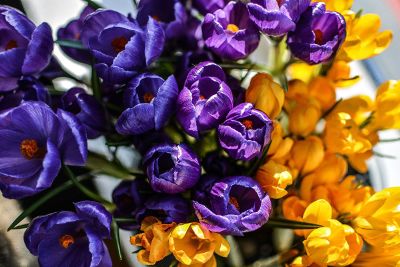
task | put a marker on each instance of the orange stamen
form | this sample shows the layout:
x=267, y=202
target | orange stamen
x=319, y=37
x=66, y=241
x=248, y=124
x=234, y=202
x=119, y=44
x=148, y=97
x=232, y=28
x=29, y=148
x=11, y=44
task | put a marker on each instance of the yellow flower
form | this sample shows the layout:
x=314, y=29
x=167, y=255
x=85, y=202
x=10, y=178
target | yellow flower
x=154, y=241
x=307, y=154
x=193, y=244
x=340, y=74
x=358, y=107
x=323, y=90
x=363, y=37
x=302, y=71
x=334, y=244
x=332, y=169
x=338, y=6
x=378, y=257
x=387, y=114
x=293, y=208
x=274, y=178
x=303, y=261
x=266, y=95
x=379, y=219
x=280, y=146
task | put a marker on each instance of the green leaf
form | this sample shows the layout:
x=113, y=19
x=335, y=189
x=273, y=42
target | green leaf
x=93, y=4
x=290, y=224
x=100, y=164
x=22, y=226
x=95, y=83
x=116, y=238
x=284, y=82
x=125, y=220
x=389, y=140
x=378, y=154
x=332, y=108
x=70, y=44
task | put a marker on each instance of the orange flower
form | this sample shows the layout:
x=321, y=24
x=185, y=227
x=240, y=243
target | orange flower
x=322, y=89
x=307, y=154
x=293, y=208
x=340, y=74
x=280, y=145
x=274, y=178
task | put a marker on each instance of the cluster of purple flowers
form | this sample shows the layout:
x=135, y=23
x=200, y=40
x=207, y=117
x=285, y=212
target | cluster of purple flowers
x=166, y=110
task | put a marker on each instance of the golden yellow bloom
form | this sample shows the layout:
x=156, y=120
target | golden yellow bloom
x=266, y=95
x=378, y=257
x=307, y=154
x=387, y=114
x=340, y=74
x=302, y=71
x=293, y=208
x=379, y=219
x=332, y=169
x=193, y=244
x=322, y=89
x=334, y=244
x=358, y=107
x=154, y=241
x=280, y=146
x=338, y=6
x=303, y=261
x=363, y=37
x=274, y=178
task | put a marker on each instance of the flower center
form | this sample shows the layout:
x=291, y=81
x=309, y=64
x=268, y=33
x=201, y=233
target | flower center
x=280, y=2
x=234, y=202
x=29, y=148
x=202, y=97
x=11, y=45
x=232, y=28
x=319, y=37
x=156, y=18
x=147, y=97
x=119, y=44
x=66, y=241
x=248, y=124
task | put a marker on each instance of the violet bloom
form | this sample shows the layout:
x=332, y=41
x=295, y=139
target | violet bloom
x=230, y=33
x=150, y=102
x=205, y=99
x=189, y=59
x=245, y=133
x=209, y=6
x=202, y=190
x=144, y=142
x=120, y=46
x=171, y=14
x=172, y=168
x=318, y=35
x=34, y=142
x=219, y=165
x=236, y=205
x=87, y=109
x=276, y=17
x=71, y=238
x=73, y=31
x=166, y=208
x=24, y=48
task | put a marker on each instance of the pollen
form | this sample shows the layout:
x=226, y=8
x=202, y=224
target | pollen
x=147, y=97
x=66, y=241
x=234, y=202
x=119, y=44
x=232, y=28
x=202, y=97
x=29, y=148
x=11, y=45
x=248, y=124
x=319, y=37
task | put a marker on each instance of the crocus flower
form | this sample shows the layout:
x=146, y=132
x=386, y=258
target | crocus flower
x=34, y=142
x=387, y=114
x=144, y=142
x=205, y=99
x=318, y=35
x=187, y=61
x=120, y=46
x=209, y=6
x=71, y=238
x=171, y=14
x=172, y=168
x=73, y=32
x=245, y=132
x=24, y=48
x=237, y=205
x=230, y=33
x=216, y=164
x=276, y=17
x=192, y=245
x=307, y=154
x=150, y=102
x=274, y=178
x=87, y=109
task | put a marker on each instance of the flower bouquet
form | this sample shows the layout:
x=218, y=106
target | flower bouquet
x=234, y=147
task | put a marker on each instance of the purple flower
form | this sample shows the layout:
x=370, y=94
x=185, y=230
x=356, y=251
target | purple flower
x=236, y=205
x=216, y=164
x=129, y=197
x=209, y=6
x=144, y=142
x=71, y=238
x=34, y=142
x=150, y=102
x=276, y=17
x=171, y=14
x=167, y=208
x=120, y=46
x=205, y=99
x=24, y=48
x=172, y=168
x=230, y=33
x=202, y=190
x=245, y=133
x=187, y=61
x=87, y=109
x=318, y=35
x=73, y=31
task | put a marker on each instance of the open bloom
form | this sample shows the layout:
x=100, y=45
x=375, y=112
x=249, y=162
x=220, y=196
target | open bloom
x=245, y=132
x=318, y=35
x=24, y=48
x=172, y=168
x=205, y=99
x=274, y=178
x=71, y=238
x=150, y=102
x=209, y=6
x=230, y=33
x=73, y=31
x=34, y=142
x=236, y=205
x=120, y=46
x=87, y=109
x=276, y=17
x=307, y=154
x=192, y=245
x=338, y=6
x=387, y=114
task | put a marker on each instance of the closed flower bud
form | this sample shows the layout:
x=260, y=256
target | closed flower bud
x=324, y=91
x=387, y=106
x=307, y=154
x=266, y=95
x=280, y=146
x=274, y=178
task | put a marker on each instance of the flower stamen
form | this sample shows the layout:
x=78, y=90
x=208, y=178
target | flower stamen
x=248, y=124
x=29, y=148
x=11, y=45
x=66, y=241
x=119, y=44
x=147, y=97
x=232, y=28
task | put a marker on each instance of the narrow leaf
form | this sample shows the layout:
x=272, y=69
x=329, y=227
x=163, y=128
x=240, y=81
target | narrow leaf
x=70, y=44
x=95, y=83
x=116, y=239
x=93, y=4
x=100, y=164
x=290, y=224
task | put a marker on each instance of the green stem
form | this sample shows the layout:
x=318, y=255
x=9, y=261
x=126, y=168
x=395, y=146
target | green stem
x=290, y=224
x=389, y=140
x=116, y=238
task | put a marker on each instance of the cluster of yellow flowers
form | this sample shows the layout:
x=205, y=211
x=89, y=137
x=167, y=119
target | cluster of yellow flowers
x=190, y=243
x=317, y=138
